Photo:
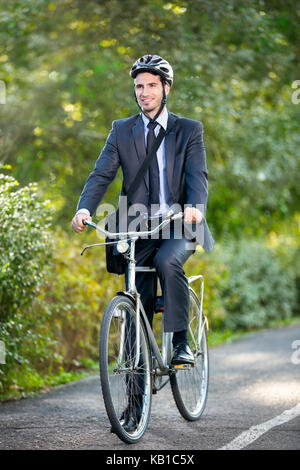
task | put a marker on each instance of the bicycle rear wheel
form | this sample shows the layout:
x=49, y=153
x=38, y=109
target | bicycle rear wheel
x=122, y=380
x=190, y=385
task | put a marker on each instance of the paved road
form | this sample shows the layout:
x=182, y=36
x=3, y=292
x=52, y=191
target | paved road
x=254, y=381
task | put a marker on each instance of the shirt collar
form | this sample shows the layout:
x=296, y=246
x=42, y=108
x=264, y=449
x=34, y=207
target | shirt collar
x=162, y=119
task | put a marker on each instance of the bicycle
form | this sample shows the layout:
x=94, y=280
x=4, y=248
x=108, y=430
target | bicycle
x=131, y=362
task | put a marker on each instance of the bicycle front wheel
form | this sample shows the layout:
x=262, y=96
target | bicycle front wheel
x=190, y=385
x=125, y=379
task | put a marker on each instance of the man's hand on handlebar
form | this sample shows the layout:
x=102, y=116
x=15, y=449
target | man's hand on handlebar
x=192, y=215
x=77, y=222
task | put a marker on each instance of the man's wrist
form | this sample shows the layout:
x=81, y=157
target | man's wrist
x=83, y=211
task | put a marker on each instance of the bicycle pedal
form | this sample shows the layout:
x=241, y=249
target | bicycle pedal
x=182, y=366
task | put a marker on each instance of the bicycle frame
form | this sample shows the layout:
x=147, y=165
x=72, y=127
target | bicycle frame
x=132, y=292
x=161, y=357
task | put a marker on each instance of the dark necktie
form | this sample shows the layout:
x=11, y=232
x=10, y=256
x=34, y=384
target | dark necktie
x=153, y=167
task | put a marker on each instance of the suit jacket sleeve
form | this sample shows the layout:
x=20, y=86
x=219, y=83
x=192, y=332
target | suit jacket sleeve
x=103, y=174
x=196, y=170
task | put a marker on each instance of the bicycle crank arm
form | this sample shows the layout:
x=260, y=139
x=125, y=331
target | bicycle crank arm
x=161, y=372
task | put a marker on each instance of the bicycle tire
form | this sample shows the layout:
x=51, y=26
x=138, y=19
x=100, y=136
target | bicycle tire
x=190, y=386
x=118, y=375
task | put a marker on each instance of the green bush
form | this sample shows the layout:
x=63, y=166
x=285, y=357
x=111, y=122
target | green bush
x=25, y=254
x=287, y=249
x=258, y=290
x=77, y=292
x=55, y=338
x=25, y=245
x=215, y=273
x=297, y=278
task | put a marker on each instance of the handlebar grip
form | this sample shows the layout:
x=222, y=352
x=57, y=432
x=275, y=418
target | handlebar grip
x=90, y=224
x=87, y=222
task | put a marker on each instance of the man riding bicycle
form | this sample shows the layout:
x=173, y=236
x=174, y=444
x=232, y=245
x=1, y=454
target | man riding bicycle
x=177, y=175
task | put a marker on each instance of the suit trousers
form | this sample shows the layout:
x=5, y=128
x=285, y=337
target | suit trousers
x=168, y=256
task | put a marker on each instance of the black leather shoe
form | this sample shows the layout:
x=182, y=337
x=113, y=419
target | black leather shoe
x=122, y=419
x=182, y=355
x=133, y=413
x=131, y=416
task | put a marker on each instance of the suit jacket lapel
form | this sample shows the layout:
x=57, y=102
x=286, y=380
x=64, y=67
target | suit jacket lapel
x=170, y=141
x=138, y=132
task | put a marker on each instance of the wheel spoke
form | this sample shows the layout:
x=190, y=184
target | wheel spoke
x=189, y=386
x=126, y=387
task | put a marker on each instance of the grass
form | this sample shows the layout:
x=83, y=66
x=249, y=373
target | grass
x=27, y=382
x=216, y=338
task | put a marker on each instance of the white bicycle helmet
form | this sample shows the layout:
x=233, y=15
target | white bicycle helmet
x=153, y=63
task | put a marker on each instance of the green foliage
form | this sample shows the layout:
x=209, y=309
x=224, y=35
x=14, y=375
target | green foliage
x=66, y=66
x=24, y=257
x=215, y=273
x=296, y=260
x=258, y=291
x=78, y=289
x=52, y=339
x=25, y=245
x=247, y=284
x=285, y=245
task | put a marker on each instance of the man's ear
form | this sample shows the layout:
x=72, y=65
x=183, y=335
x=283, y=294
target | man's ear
x=167, y=88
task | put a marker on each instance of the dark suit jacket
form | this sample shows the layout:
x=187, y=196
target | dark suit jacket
x=185, y=161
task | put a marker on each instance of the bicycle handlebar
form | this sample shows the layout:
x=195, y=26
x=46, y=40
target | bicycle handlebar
x=112, y=235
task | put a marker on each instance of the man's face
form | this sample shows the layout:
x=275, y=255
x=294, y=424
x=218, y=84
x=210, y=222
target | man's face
x=149, y=92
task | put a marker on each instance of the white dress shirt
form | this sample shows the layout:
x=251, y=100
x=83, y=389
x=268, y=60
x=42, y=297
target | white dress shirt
x=162, y=120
